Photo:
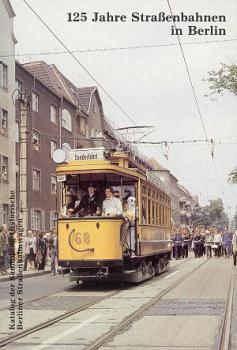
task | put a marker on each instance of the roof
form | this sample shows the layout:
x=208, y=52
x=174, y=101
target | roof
x=153, y=162
x=53, y=79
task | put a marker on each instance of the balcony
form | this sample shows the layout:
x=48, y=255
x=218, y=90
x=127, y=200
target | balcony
x=182, y=200
x=183, y=212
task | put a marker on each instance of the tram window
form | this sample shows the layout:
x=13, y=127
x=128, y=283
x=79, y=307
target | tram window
x=157, y=213
x=160, y=215
x=149, y=211
x=144, y=217
x=163, y=215
x=153, y=213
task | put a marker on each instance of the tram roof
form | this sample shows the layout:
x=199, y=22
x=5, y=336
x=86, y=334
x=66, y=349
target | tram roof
x=100, y=160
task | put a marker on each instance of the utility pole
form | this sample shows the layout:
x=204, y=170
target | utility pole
x=23, y=209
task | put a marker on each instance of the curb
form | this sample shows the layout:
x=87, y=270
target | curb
x=33, y=274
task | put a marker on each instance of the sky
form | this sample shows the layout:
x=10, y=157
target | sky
x=150, y=84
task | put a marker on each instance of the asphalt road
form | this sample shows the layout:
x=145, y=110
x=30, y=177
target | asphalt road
x=36, y=287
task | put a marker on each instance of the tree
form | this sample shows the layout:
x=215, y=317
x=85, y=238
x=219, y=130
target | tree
x=225, y=79
x=213, y=214
x=233, y=176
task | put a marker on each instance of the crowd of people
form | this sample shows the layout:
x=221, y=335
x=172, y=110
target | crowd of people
x=210, y=241
x=39, y=249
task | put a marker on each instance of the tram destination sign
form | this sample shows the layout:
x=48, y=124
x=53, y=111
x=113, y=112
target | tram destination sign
x=85, y=154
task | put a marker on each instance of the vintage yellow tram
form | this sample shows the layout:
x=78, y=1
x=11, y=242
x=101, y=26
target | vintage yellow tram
x=92, y=247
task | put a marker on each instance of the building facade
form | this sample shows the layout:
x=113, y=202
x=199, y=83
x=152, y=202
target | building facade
x=59, y=113
x=7, y=110
x=183, y=204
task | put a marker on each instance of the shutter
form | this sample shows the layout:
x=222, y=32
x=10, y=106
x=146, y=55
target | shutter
x=32, y=217
x=43, y=220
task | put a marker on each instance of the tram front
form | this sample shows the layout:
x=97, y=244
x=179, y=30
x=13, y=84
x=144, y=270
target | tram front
x=89, y=242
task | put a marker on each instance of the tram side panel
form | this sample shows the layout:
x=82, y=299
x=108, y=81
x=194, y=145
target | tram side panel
x=154, y=240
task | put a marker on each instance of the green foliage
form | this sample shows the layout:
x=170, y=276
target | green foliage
x=214, y=214
x=233, y=177
x=225, y=79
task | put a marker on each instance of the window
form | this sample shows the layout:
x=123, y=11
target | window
x=3, y=121
x=92, y=132
x=36, y=180
x=4, y=169
x=53, y=219
x=3, y=76
x=36, y=219
x=53, y=114
x=35, y=102
x=53, y=184
x=5, y=212
x=82, y=126
x=53, y=147
x=66, y=120
x=19, y=85
x=36, y=140
x=87, y=130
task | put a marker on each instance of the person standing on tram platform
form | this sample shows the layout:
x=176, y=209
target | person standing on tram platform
x=90, y=203
x=112, y=206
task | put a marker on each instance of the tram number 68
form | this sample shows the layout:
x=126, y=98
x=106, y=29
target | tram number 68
x=82, y=238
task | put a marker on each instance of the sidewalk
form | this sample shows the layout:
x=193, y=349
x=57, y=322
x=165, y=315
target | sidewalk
x=27, y=274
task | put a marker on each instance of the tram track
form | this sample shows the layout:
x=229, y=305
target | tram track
x=224, y=338
x=40, y=298
x=63, y=290
x=117, y=329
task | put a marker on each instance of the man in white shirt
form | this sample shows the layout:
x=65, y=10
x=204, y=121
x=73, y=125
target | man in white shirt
x=112, y=206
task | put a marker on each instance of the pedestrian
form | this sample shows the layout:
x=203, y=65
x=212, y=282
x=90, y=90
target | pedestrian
x=209, y=240
x=234, y=246
x=185, y=246
x=53, y=251
x=177, y=239
x=41, y=250
x=217, y=244
x=202, y=243
x=30, y=250
x=227, y=242
x=196, y=243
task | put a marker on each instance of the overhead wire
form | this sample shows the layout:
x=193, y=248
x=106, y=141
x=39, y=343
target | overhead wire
x=195, y=96
x=104, y=90
x=121, y=48
x=86, y=70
